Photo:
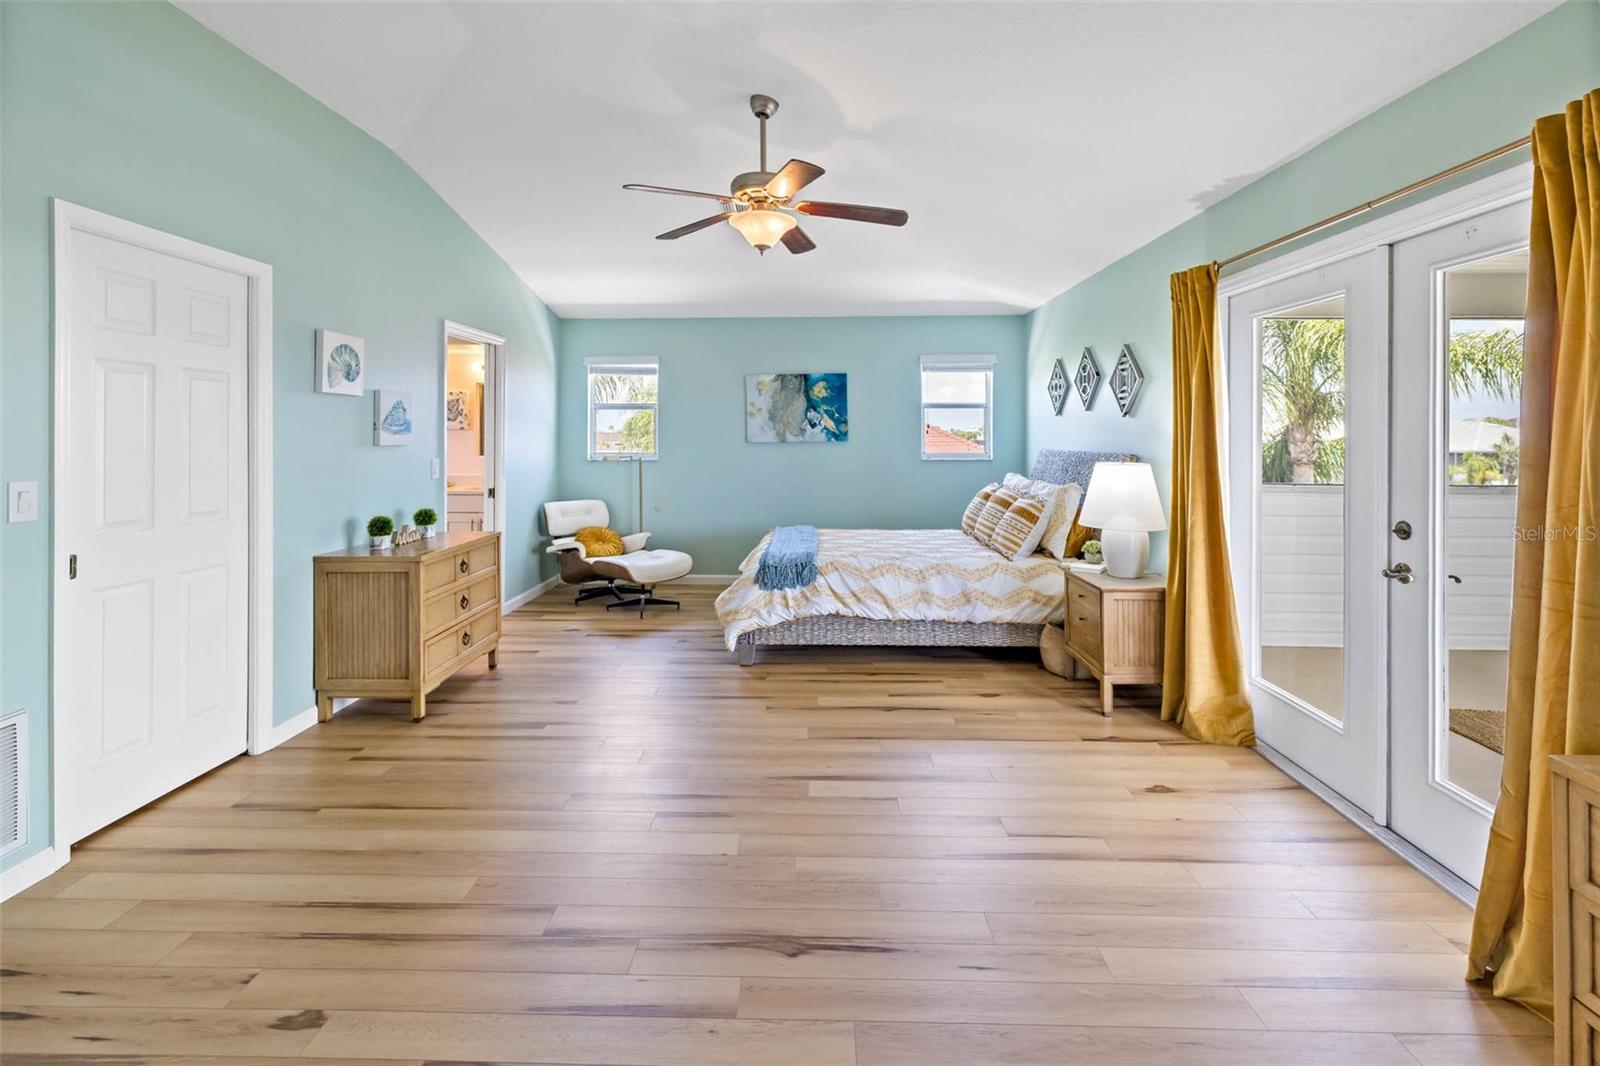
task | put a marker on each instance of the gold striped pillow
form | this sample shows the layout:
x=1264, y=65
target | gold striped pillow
x=1018, y=532
x=994, y=509
x=969, y=517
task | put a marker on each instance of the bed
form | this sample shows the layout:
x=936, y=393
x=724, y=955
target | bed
x=907, y=587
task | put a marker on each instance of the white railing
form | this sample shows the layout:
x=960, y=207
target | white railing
x=1302, y=565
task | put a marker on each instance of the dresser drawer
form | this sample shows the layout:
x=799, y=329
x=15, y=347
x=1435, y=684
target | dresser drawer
x=459, y=640
x=1082, y=594
x=481, y=556
x=445, y=607
x=1083, y=630
x=441, y=571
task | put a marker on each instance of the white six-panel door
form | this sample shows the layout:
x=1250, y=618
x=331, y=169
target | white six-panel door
x=156, y=495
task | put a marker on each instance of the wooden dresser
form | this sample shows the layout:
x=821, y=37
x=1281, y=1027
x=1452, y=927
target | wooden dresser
x=394, y=624
x=1575, y=902
x=1116, y=628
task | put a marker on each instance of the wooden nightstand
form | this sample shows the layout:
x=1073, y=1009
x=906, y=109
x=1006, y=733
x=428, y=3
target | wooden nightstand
x=1116, y=628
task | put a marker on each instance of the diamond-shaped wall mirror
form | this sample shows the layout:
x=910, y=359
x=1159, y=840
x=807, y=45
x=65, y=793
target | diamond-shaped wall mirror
x=1057, y=387
x=1087, y=379
x=1126, y=380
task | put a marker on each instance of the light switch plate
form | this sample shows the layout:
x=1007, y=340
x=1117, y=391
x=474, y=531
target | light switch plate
x=22, y=501
x=435, y=469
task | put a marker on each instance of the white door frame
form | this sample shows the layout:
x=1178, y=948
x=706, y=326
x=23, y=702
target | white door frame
x=1458, y=204
x=494, y=369
x=69, y=217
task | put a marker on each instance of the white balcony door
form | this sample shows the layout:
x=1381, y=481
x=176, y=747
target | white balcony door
x=1460, y=296
x=153, y=507
x=1308, y=387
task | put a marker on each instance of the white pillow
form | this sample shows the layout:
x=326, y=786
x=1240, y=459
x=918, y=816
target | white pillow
x=1064, y=501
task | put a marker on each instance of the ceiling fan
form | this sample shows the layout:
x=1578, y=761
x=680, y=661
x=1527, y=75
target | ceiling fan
x=760, y=202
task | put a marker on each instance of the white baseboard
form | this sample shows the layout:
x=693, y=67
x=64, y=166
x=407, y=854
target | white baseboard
x=284, y=730
x=32, y=870
x=523, y=598
x=705, y=579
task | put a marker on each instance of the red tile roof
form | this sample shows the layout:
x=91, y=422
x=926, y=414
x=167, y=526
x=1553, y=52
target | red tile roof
x=936, y=441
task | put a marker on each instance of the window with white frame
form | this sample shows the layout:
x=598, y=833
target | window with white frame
x=957, y=406
x=624, y=394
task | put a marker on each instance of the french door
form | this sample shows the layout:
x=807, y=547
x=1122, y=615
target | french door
x=1308, y=402
x=1460, y=296
x=1373, y=406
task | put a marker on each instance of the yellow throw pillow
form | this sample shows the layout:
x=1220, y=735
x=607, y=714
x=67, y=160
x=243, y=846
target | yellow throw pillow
x=1076, y=539
x=994, y=509
x=969, y=518
x=598, y=541
x=1020, y=528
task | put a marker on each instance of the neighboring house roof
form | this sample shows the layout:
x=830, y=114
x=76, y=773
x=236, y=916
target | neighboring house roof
x=936, y=441
x=1473, y=435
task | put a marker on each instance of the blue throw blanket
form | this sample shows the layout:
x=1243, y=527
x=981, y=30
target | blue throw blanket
x=790, y=561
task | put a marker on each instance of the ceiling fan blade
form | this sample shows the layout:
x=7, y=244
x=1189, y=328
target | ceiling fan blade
x=795, y=175
x=883, y=216
x=797, y=241
x=681, y=231
x=679, y=192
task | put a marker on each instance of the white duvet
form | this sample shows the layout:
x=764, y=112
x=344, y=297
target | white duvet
x=925, y=575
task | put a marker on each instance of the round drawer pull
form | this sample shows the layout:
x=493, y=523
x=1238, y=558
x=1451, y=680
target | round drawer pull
x=466, y=638
x=465, y=602
x=463, y=566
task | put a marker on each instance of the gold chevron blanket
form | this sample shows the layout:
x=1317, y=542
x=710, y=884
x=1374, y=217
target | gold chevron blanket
x=925, y=575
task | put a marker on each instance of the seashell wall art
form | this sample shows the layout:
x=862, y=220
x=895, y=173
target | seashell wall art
x=341, y=363
x=391, y=417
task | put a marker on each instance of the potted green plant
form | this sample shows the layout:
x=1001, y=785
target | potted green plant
x=379, y=528
x=427, y=520
x=1091, y=551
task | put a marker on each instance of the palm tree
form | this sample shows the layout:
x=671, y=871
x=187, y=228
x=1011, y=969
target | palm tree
x=1302, y=389
x=1302, y=384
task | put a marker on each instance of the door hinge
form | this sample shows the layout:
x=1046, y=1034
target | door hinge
x=72, y=568
x=491, y=492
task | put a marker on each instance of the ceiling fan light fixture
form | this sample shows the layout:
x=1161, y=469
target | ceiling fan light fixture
x=762, y=228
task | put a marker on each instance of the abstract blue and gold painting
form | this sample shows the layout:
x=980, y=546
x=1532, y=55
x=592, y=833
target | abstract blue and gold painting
x=790, y=408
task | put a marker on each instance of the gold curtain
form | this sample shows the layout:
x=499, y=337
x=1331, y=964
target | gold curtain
x=1203, y=682
x=1553, y=693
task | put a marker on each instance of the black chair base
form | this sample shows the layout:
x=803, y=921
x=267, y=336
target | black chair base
x=643, y=599
x=612, y=589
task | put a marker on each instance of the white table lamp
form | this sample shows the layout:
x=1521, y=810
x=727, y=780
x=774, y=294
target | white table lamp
x=1123, y=504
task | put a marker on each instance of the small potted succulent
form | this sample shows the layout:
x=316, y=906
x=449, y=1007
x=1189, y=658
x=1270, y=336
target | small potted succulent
x=1091, y=551
x=427, y=520
x=379, y=527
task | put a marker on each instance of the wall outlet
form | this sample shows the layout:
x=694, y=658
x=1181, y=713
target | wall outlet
x=435, y=463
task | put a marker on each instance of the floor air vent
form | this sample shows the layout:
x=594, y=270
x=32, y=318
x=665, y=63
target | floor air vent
x=13, y=788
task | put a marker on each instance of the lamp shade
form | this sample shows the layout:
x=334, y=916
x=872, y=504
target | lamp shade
x=762, y=228
x=1123, y=496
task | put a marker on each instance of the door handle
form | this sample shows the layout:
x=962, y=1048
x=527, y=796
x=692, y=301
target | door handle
x=1400, y=572
x=1453, y=577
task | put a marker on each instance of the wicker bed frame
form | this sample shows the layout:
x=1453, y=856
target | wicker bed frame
x=1051, y=464
x=844, y=631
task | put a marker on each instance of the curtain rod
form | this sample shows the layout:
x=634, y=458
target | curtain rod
x=1334, y=220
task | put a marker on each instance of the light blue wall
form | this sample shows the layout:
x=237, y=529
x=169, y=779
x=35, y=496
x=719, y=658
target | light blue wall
x=713, y=495
x=136, y=110
x=1486, y=101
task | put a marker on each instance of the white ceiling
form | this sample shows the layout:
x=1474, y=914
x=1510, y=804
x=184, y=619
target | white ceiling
x=1032, y=143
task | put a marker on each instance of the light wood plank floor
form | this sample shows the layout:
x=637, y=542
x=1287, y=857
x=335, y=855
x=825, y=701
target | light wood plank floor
x=622, y=848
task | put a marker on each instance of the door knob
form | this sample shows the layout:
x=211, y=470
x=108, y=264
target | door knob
x=1400, y=572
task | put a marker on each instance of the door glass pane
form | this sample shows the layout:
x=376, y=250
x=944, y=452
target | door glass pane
x=1484, y=307
x=1300, y=549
